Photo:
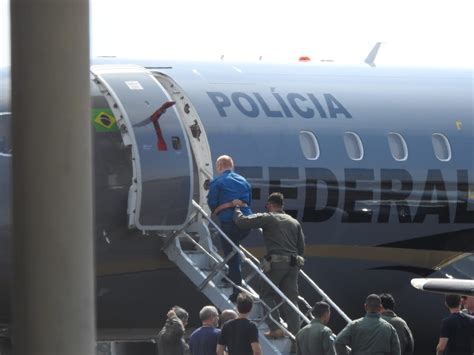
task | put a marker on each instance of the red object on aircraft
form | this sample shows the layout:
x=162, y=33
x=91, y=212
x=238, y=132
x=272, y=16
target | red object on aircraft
x=160, y=144
x=305, y=59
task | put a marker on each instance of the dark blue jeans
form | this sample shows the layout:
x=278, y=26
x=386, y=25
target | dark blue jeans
x=236, y=235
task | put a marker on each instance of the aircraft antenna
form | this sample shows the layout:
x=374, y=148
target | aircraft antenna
x=370, y=60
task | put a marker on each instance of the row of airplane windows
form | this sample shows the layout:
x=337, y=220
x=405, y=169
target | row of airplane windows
x=355, y=149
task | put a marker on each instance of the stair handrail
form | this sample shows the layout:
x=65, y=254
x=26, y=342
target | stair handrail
x=325, y=296
x=252, y=265
x=312, y=284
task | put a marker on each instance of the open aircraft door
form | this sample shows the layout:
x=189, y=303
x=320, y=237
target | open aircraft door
x=160, y=196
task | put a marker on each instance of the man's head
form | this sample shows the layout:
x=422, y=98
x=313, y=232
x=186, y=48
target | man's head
x=388, y=302
x=275, y=202
x=244, y=303
x=468, y=303
x=226, y=315
x=453, y=301
x=322, y=311
x=182, y=314
x=223, y=163
x=373, y=304
x=209, y=316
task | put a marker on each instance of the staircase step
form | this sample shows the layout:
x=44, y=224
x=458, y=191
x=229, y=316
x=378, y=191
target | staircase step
x=199, y=259
x=283, y=345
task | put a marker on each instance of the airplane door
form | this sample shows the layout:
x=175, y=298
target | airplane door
x=161, y=191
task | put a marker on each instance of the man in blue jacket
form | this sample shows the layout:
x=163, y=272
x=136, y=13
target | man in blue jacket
x=228, y=186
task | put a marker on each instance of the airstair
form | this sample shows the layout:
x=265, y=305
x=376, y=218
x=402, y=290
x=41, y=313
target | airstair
x=138, y=97
x=207, y=269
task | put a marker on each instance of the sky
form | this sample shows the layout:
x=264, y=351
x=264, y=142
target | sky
x=413, y=32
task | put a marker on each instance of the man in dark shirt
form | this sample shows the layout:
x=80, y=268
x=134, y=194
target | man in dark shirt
x=456, y=330
x=403, y=331
x=222, y=190
x=203, y=341
x=240, y=336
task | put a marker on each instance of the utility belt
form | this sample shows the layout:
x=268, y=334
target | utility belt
x=293, y=260
x=278, y=258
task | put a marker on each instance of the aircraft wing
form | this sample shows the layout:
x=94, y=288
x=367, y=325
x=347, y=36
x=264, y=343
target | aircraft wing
x=455, y=286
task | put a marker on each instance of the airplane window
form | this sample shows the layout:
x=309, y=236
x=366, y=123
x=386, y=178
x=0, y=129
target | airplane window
x=5, y=142
x=176, y=143
x=309, y=145
x=398, y=146
x=354, y=147
x=441, y=147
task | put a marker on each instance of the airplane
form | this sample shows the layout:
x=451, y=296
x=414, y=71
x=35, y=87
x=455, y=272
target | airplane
x=445, y=286
x=376, y=163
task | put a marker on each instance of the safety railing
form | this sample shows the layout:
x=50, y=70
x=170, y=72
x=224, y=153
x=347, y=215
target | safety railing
x=250, y=261
x=219, y=265
x=305, y=277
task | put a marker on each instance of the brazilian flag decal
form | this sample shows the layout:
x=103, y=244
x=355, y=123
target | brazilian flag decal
x=104, y=120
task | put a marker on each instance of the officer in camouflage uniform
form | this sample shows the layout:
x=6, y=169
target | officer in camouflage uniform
x=170, y=339
x=284, y=241
x=404, y=333
x=316, y=337
x=370, y=335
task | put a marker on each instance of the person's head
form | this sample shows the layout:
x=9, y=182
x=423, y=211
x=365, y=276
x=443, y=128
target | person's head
x=275, y=202
x=226, y=315
x=209, y=316
x=322, y=311
x=388, y=302
x=223, y=163
x=182, y=314
x=468, y=303
x=373, y=303
x=244, y=303
x=453, y=301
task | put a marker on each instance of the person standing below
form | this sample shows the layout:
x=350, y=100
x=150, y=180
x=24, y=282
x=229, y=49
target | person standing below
x=284, y=243
x=227, y=315
x=468, y=308
x=456, y=330
x=170, y=339
x=468, y=304
x=222, y=190
x=316, y=337
x=203, y=341
x=369, y=335
x=404, y=333
x=240, y=336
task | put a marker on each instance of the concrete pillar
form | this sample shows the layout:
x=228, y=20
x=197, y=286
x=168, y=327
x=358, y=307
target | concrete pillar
x=53, y=291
